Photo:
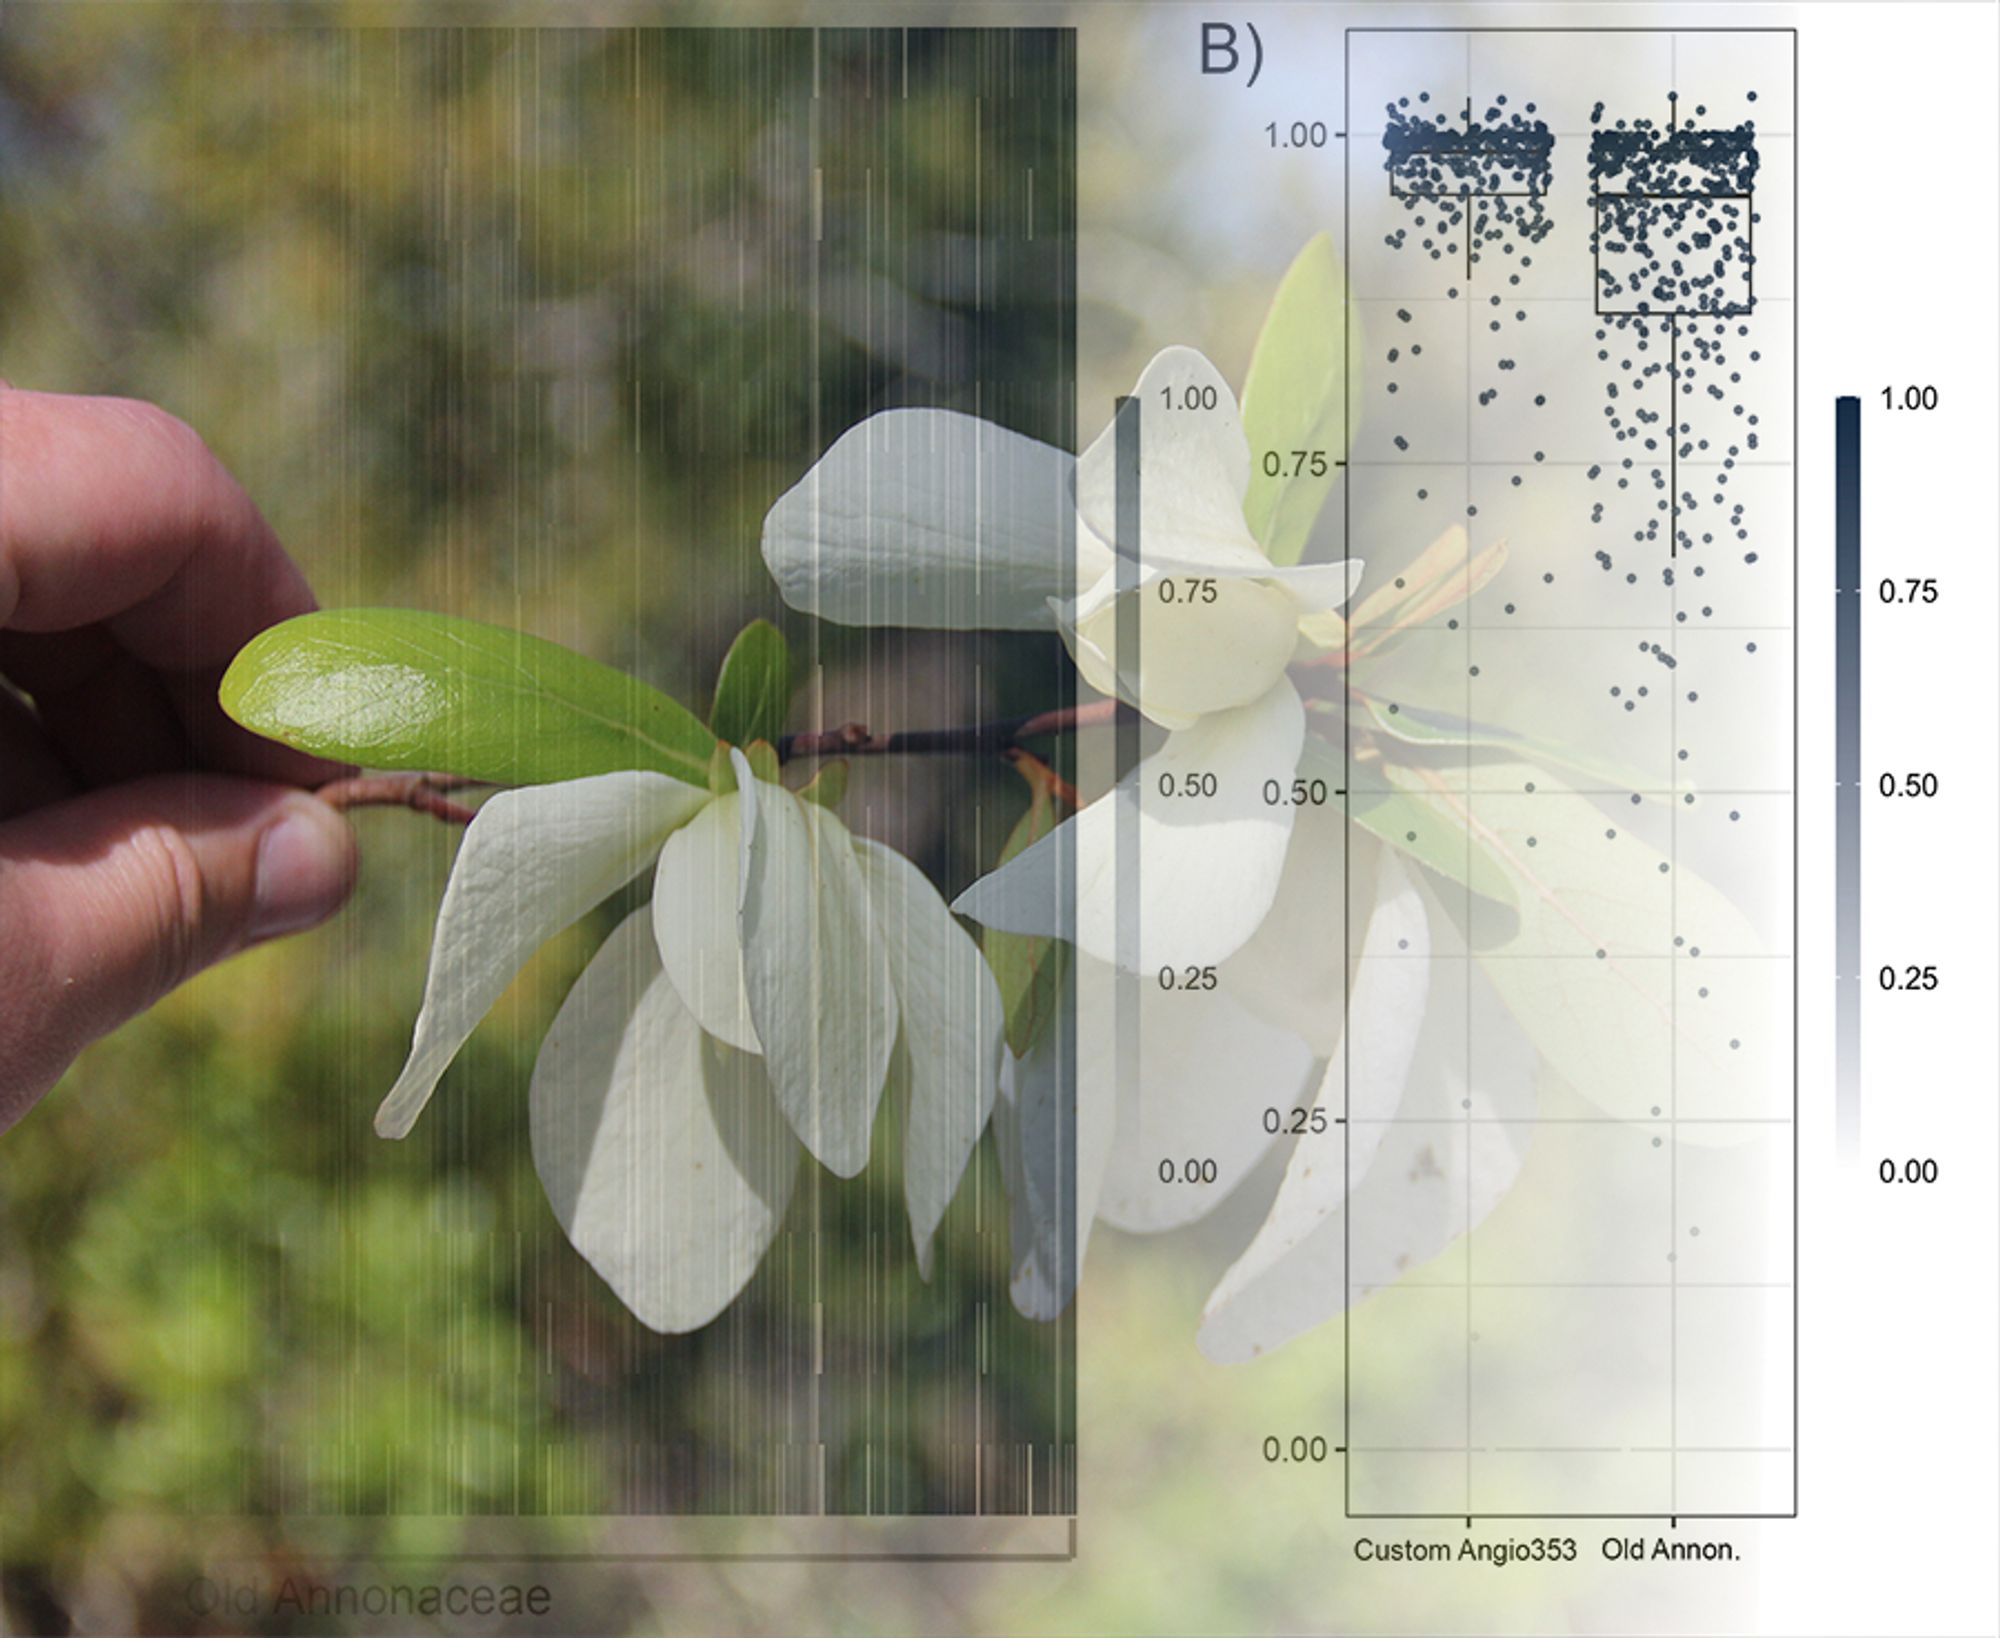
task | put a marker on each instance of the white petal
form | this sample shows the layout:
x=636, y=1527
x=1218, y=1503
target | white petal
x=1194, y=473
x=1091, y=659
x=1250, y=1307
x=816, y=972
x=1205, y=648
x=931, y=518
x=533, y=860
x=1317, y=587
x=947, y=1059
x=1313, y=587
x=1206, y=1071
x=663, y=1153
x=1293, y=972
x=1194, y=466
x=1207, y=866
x=1294, y=1274
x=1053, y=1124
x=696, y=898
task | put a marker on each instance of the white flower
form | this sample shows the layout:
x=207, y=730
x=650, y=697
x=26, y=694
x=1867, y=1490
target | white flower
x=1178, y=1099
x=930, y=518
x=927, y=518
x=785, y=973
x=1439, y=1088
x=1434, y=1146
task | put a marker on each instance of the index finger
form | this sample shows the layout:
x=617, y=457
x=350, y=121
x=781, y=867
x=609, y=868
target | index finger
x=114, y=511
x=115, y=514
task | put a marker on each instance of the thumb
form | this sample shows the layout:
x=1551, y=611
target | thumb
x=110, y=900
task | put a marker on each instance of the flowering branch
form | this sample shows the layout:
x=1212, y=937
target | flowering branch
x=426, y=792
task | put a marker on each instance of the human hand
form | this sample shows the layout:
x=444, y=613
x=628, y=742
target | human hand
x=143, y=836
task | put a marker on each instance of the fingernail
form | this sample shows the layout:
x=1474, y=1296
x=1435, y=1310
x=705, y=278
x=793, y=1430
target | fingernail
x=305, y=866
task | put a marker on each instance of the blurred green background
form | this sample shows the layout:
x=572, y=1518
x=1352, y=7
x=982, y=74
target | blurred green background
x=531, y=326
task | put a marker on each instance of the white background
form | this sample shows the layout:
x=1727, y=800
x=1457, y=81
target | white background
x=1898, y=1374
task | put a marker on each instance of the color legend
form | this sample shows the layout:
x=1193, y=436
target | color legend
x=1847, y=770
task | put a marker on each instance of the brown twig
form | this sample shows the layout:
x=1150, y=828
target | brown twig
x=425, y=792
x=420, y=792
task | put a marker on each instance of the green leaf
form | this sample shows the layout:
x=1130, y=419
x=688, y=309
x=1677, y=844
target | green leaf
x=1416, y=582
x=828, y=786
x=1029, y=1011
x=1470, y=576
x=1625, y=1025
x=753, y=691
x=1412, y=820
x=1409, y=824
x=398, y=688
x=1292, y=400
x=1420, y=725
x=1028, y=968
x=721, y=771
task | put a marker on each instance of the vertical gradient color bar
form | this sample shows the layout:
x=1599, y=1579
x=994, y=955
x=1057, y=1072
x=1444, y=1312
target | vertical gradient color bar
x=1126, y=536
x=1847, y=771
